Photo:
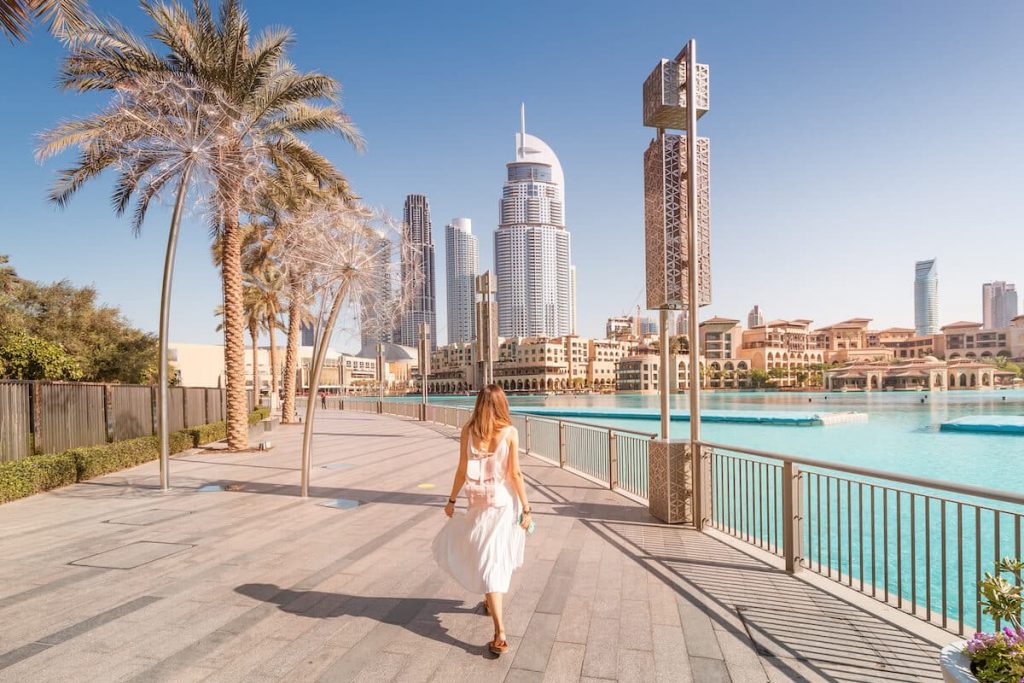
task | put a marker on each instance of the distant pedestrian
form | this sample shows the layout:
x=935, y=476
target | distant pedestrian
x=323, y=399
x=481, y=548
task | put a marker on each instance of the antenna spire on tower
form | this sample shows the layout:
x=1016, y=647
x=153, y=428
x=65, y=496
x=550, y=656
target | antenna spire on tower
x=522, y=129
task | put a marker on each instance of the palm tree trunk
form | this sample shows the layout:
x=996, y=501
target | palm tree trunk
x=234, y=333
x=314, y=385
x=291, y=354
x=254, y=332
x=272, y=329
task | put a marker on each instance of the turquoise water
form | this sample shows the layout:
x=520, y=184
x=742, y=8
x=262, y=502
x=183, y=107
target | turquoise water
x=841, y=537
x=901, y=434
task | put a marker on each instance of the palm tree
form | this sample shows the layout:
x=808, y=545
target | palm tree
x=290, y=197
x=260, y=104
x=65, y=17
x=253, y=323
x=267, y=285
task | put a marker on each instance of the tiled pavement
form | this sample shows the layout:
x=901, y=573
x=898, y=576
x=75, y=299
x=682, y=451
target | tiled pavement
x=111, y=580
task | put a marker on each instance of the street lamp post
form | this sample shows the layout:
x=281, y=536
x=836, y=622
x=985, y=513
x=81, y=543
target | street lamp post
x=486, y=326
x=424, y=362
x=677, y=232
x=380, y=373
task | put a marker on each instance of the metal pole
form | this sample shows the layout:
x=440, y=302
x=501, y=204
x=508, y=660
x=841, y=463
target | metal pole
x=380, y=372
x=663, y=381
x=692, y=279
x=163, y=394
x=322, y=347
x=424, y=364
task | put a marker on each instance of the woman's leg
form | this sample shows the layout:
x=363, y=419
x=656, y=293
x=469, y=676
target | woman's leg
x=494, y=605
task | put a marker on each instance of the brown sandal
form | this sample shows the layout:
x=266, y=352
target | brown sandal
x=498, y=646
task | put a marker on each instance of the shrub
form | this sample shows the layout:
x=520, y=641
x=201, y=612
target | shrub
x=208, y=433
x=24, y=477
x=96, y=460
x=20, y=478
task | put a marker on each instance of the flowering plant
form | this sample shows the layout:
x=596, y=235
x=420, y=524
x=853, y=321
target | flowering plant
x=999, y=657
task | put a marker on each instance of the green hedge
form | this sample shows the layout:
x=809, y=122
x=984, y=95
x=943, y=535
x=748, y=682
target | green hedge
x=215, y=431
x=96, y=460
x=36, y=473
x=24, y=477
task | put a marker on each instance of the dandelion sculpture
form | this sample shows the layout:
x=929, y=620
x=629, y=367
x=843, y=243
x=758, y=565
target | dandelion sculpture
x=169, y=139
x=349, y=255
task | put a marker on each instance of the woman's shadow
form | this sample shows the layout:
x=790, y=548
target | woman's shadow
x=421, y=616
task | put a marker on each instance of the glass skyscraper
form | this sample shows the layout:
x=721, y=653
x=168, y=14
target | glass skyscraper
x=421, y=307
x=531, y=245
x=926, y=297
x=998, y=304
x=461, y=266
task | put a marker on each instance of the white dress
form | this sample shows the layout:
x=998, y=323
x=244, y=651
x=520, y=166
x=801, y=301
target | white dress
x=483, y=546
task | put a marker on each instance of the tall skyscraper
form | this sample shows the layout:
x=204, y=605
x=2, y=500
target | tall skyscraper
x=461, y=266
x=377, y=309
x=998, y=303
x=926, y=297
x=422, y=304
x=572, y=300
x=755, y=318
x=531, y=244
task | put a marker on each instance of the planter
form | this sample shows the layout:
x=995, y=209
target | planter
x=956, y=666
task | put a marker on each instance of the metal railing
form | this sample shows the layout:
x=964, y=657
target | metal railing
x=616, y=458
x=916, y=544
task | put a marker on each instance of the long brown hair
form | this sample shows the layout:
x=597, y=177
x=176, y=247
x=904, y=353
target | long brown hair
x=490, y=413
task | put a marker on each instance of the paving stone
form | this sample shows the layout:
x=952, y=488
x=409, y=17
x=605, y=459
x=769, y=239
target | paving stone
x=601, y=658
x=636, y=665
x=565, y=662
x=671, y=661
x=535, y=647
x=281, y=588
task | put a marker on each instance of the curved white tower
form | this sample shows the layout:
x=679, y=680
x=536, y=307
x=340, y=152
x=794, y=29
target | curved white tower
x=531, y=244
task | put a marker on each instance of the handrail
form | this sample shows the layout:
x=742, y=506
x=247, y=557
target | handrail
x=962, y=489
x=617, y=430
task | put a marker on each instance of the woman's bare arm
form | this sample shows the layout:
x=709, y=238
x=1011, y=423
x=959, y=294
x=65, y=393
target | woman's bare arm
x=460, y=472
x=515, y=475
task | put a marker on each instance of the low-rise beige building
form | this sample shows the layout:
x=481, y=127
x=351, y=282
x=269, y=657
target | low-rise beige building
x=787, y=347
x=529, y=364
x=917, y=374
x=968, y=340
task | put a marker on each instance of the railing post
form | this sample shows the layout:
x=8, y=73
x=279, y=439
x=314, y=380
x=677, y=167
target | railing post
x=561, y=444
x=613, y=460
x=529, y=432
x=792, y=519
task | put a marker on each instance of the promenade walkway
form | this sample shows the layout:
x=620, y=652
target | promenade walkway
x=111, y=580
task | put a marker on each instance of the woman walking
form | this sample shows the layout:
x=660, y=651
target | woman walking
x=482, y=548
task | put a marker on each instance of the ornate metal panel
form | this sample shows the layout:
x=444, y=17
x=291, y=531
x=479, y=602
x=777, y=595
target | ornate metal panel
x=665, y=222
x=665, y=95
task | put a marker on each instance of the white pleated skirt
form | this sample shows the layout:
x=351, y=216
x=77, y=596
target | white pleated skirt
x=481, y=547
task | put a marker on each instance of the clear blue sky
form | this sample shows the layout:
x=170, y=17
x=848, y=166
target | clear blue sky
x=848, y=141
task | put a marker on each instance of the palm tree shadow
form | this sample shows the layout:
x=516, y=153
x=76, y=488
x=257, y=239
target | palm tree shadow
x=421, y=616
